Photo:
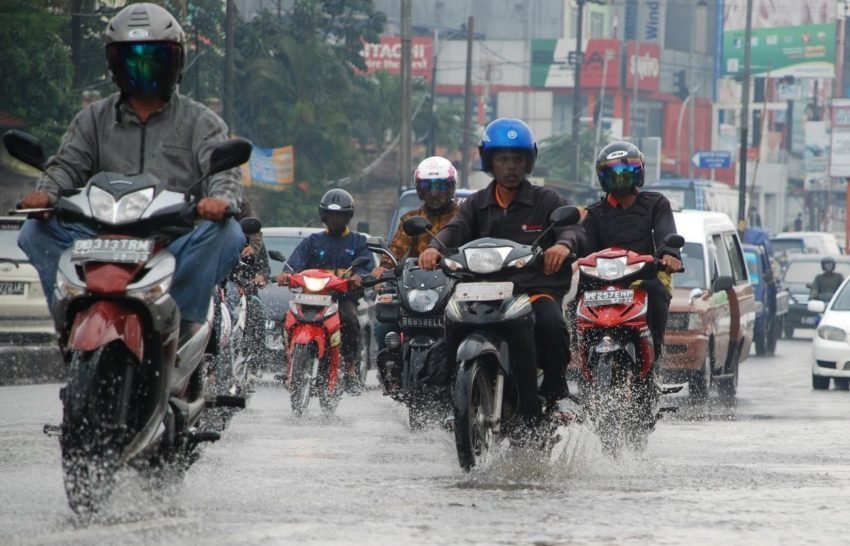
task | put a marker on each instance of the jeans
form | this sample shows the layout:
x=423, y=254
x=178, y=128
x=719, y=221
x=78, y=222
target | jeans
x=350, y=333
x=204, y=258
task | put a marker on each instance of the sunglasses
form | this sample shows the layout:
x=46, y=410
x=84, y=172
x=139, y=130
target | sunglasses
x=435, y=185
x=145, y=68
x=619, y=173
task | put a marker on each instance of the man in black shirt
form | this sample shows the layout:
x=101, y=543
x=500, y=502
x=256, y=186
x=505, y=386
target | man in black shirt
x=635, y=220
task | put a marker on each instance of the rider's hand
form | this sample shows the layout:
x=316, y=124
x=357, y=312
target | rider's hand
x=554, y=258
x=282, y=279
x=247, y=251
x=378, y=271
x=212, y=208
x=356, y=280
x=672, y=264
x=429, y=258
x=260, y=280
x=36, y=200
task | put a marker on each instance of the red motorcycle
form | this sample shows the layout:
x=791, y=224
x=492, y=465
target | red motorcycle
x=313, y=338
x=616, y=353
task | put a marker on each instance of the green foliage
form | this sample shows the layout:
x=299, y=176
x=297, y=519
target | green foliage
x=36, y=72
x=557, y=156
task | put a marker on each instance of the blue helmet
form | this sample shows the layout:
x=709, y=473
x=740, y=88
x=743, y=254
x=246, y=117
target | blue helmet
x=507, y=133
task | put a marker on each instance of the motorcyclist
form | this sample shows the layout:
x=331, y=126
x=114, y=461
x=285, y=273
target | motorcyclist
x=635, y=220
x=146, y=127
x=436, y=180
x=510, y=207
x=826, y=283
x=335, y=249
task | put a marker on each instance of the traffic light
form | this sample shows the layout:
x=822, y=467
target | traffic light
x=680, y=84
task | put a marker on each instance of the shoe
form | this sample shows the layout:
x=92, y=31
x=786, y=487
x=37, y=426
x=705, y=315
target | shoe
x=558, y=415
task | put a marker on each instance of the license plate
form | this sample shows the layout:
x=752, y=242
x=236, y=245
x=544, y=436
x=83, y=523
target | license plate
x=128, y=251
x=8, y=288
x=596, y=298
x=422, y=322
x=313, y=299
x=483, y=291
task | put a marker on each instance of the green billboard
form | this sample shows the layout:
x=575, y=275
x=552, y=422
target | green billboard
x=805, y=51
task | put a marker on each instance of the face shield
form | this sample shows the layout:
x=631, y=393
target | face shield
x=145, y=69
x=620, y=175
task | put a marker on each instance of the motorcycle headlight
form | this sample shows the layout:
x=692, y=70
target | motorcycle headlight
x=486, y=260
x=422, y=301
x=832, y=333
x=520, y=262
x=67, y=289
x=127, y=209
x=316, y=284
x=451, y=264
x=151, y=292
x=518, y=306
x=611, y=268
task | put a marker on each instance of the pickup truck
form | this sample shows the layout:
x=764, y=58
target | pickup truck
x=771, y=298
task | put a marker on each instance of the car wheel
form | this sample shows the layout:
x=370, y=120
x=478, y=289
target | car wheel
x=789, y=330
x=773, y=335
x=840, y=383
x=819, y=382
x=700, y=384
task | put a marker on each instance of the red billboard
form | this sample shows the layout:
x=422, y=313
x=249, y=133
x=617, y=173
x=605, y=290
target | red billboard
x=647, y=64
x=594, y=67
x=385, y=56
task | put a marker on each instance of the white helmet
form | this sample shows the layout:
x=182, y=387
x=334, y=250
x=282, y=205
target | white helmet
x=436, y=180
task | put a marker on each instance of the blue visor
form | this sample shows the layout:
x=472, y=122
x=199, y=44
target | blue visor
x=146, y=69
x=619, y=174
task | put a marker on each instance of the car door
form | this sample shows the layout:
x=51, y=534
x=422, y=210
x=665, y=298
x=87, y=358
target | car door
x=720, y=313
x=742, y=299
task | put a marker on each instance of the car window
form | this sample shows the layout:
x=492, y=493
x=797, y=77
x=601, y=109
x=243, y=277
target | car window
x=724, y=266
x=788, y=246
x=736, y=257
x=9, y=242
x=284, y=244
x=753, y=267
x=694, y=275
x=842, y=300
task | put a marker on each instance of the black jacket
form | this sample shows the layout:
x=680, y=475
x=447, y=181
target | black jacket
x=526, y=216
x=640, y=228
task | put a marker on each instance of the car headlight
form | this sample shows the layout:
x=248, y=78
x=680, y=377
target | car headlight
x=611, y=268
x=486, y=260
x=520, y=262
x=422, y=301
x=67, y=289
x=832, y=333
x=127, y=209
x=316, y=284
x=151, y=292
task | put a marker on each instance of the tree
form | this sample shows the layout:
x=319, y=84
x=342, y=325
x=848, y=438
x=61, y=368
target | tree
x=557, y=156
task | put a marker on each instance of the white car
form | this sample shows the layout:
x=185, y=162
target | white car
x=831, y=346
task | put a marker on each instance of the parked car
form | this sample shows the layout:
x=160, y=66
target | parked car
x=770, y=296
x=276, y=298
x=831, y=345
x=24, y=317
x=800, y=272
x=712, y=313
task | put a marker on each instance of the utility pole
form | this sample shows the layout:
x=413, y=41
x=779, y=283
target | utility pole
x=745, y=115
x=578, y=61
x=432, y=131
x=693, y=99
x=405, y=134
x=467, y=107
x=77, y=41
x=229, y=46
x=635, y=76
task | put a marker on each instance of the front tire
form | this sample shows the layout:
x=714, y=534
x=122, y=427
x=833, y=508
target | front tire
x=473, y=407
x=303, y=357
x=820, y=383
x=700, y=385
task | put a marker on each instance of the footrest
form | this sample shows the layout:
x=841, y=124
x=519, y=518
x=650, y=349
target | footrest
x=229, y=401
x=198, y=436
x=52, y=430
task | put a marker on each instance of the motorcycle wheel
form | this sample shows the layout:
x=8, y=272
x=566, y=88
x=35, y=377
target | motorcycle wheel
x=417, y=412
x=90, y=447
x=773, y=335
x=328, y=400
x=303, y=357
x=473, y=407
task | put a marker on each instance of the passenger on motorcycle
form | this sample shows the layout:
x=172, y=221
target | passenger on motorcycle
x=435, y=179
x=512, y=208
x=335, y=249
x=634, y=220
x=146, y=127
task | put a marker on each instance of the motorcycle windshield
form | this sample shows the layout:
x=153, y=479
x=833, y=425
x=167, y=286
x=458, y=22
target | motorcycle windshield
x=421, y=279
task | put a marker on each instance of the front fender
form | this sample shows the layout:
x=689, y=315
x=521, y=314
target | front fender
x=478, y=344
x=304, y=334
x=104, y=322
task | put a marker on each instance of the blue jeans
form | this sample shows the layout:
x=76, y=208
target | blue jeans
x=204, y=258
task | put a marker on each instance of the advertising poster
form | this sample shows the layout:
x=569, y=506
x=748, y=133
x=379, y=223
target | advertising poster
x=270, y=168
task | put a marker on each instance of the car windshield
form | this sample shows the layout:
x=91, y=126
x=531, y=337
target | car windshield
x=9, y=249
x=842, y=300
x=694, y=275
x=788, y=246
x=283, y=244
x=753, y=267
x=803, y=272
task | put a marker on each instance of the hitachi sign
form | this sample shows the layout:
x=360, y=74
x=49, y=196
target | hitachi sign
x=651, y=30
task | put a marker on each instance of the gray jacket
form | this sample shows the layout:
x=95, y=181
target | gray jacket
x=174, y=145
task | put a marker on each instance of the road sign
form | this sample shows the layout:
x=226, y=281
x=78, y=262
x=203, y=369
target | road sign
x=712, y=159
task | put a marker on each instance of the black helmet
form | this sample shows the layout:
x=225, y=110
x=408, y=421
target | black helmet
x=827, y=261
x=145, y=51
x=620, y=166
x=336, y=200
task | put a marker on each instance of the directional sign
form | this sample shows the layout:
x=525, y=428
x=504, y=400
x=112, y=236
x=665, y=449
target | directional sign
x=712, y=159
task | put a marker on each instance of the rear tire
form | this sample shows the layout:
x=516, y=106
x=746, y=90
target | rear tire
x=820, y=383
x=299, y=390
x=473, y=406
x=773, y=335
x=789, y=330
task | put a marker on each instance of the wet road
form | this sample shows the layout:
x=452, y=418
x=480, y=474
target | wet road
x=771, y=470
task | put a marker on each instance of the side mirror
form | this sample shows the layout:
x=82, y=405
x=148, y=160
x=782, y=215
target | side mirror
x=250, y=225
x=25, y=148
x=277, y=256
x=723, y=283
x=695, y=294
x=564, y=216
x=418, y=225
x=360, y=262
x=376, y=244
x=229, y=154
x=674, y=240
x=816, y=306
